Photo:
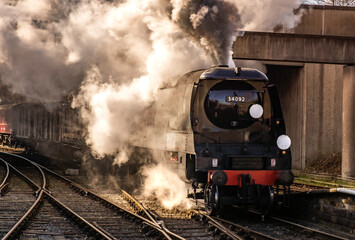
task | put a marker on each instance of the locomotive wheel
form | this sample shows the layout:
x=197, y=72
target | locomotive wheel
x=211, y=198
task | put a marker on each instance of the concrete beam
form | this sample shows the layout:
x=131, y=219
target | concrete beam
x=348, y=139
x=326, y=20
x=287, y=47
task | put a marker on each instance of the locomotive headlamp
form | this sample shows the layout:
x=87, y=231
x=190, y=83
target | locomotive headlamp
x=283, y=142
x=256, y=111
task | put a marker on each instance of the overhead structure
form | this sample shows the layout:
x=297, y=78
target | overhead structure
x=288, y=47
x=314, y=64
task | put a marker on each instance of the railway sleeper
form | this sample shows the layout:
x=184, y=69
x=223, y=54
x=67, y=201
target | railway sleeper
x=26, y=222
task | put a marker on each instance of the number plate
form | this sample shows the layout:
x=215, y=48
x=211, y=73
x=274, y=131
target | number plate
x=235, y=99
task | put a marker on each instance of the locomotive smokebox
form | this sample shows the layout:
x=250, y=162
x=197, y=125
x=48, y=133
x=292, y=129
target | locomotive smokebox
x=219, y=178
x=285, y=178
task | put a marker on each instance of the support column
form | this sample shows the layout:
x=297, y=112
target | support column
x=348, y=122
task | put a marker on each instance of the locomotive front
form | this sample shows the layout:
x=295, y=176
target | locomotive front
x=240, y=140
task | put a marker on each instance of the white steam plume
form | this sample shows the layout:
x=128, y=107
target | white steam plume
x=265, y=15
x=166, y=185
x=120, y=53
x=31, y=58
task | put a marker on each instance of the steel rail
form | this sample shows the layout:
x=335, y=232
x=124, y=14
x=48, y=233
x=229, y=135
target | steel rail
x=161, y=223
x=137, y=203
x=89, y=192
x=39, y=194
x=152, y=222
x=144, y=220
x=219, y=226
x=3, y=189
x=4, y=185
x=174, y=235
x=315, y=231
x=248, y=231
x=320, y=233
x=78, y=217
x=148, y=222
x=104, y=231
x=42, y=191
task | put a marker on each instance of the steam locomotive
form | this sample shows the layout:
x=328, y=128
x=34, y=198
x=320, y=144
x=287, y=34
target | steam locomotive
x=222, y=130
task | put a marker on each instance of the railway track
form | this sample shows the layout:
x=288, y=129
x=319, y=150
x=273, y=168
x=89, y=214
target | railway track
x=103, y=218
x=4, y=172
x=20, y=205
x=95, y=217
x=250, y=223
x=20, y=202
x=51, y=206
x=203, y=226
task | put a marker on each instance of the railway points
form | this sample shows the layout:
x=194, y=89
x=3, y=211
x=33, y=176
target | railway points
x=192, y=224
x=82, y=206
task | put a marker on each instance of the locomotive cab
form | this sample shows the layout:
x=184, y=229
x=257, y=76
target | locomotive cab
x=241, y=146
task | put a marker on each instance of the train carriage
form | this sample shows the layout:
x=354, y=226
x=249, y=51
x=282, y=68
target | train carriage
x=6, y=134
x=52, y=129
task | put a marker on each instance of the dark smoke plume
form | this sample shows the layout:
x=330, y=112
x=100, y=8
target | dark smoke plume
x=213, y=24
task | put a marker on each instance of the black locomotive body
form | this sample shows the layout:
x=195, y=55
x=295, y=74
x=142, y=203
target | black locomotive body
x=223, y=131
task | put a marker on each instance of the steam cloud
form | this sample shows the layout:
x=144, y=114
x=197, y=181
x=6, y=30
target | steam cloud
x=114, y=56
x=166, y=185
x=265, y=15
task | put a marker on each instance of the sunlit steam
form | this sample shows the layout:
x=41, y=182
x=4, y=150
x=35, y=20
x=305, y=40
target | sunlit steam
x=115, y=56
x=166, y=185
x=265, y=15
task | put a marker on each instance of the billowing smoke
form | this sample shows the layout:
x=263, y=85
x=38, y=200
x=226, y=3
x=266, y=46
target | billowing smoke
x=266, y=15
x=114, y=56
x=212, y=23
x=32, y=59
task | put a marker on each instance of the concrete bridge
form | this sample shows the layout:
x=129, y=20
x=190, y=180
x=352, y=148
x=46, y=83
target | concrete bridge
x=314, y=66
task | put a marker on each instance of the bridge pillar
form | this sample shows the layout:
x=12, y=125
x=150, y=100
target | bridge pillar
x=348, y=138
